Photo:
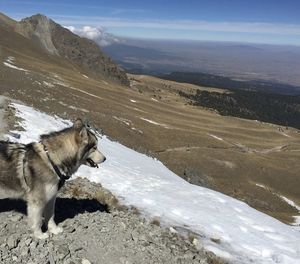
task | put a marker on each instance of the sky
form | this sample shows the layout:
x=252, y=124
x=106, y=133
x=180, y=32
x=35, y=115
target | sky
x=257, y=21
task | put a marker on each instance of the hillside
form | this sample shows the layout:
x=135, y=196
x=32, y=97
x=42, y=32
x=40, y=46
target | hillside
x=229, y=228
x=59, y=41
x=253, y=161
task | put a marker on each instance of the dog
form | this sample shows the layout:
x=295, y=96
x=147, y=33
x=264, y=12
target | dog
x=36, y=171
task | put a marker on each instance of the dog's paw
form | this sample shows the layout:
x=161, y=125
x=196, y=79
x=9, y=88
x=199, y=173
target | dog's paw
x=40, y=235
x=55, y=229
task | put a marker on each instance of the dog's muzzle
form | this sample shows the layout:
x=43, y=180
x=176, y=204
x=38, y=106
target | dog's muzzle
x=94, y=159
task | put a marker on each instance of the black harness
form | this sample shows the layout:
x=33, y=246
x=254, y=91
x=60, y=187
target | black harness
x=62, y=177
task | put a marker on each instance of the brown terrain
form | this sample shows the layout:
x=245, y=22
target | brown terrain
x=253, y=161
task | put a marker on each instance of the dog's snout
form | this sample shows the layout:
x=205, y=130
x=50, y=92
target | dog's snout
x=104, y=159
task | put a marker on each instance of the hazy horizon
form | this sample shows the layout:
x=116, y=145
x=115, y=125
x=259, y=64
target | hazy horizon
x=261, y=22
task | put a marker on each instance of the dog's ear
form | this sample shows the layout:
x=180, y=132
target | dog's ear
x=81, y=131
x=78, y=124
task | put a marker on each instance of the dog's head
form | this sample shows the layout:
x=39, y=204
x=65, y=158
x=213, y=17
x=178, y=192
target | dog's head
x=88, y=144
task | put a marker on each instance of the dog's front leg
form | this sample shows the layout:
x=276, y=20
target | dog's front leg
x=49, y=217
x=35, y=211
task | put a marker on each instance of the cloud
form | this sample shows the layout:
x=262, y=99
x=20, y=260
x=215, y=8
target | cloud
x=97, y=34
x=194, y=25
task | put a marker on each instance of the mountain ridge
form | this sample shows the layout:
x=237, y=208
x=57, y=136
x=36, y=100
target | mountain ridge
x=58, y=41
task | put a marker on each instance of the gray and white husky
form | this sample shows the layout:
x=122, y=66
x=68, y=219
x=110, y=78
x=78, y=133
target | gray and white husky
x=36, y=171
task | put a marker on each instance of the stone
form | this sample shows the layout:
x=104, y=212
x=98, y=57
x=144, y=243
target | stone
x=63, y=251
x=85, y=261
x=12, y=242
x=28, y=241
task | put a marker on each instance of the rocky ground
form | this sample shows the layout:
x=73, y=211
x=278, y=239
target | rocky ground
x=93, y=233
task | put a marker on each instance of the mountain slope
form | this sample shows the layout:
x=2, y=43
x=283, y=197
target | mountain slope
x=225, y=226
x=59, y=41
x=252, y=161
x=7, y=21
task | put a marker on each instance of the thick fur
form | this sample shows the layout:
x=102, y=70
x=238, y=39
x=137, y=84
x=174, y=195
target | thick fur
x=26, y=172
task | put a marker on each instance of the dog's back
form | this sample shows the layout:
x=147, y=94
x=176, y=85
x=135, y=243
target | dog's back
x=11, y=173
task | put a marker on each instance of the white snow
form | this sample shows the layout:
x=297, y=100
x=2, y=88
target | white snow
x=261, y=186
x=7, y=64
x=10, y=59
x=245, y=235
x=138, y=130
x=10, y=63
x=48, y=84
x=123, y=120
x=133, y=101
x=292, y=203
x=284, y=134
x=215, y=137
x=154, y=123
x=61, y=81
x=74, y=107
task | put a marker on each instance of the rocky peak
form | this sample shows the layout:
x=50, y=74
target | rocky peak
x=60, y=41
x=38, y=27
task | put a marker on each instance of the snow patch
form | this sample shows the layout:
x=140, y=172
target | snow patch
x=14, y=67
x=123, y=120
x=10, y=59
x=154, y=123
x=60, y=81
x=48, y=84
x=261, y=186
x=133, y=101
x=292, y=203
x=138, y=130
x=286, y=135
x=245, y=235
x=74, y=107
x=215, y=137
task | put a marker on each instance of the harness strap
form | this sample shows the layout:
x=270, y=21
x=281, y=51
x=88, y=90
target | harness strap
x=62, y=177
